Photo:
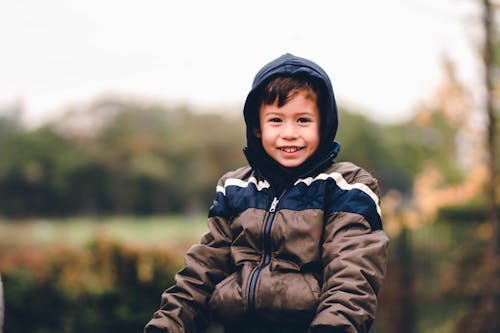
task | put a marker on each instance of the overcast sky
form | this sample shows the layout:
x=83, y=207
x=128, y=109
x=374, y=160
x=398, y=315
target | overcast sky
x=383, y=56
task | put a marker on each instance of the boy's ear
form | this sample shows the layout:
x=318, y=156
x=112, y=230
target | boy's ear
x=257, y=132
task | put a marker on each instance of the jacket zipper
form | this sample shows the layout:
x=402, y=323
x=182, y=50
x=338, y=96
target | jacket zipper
x=267, y=243
x=267, y=255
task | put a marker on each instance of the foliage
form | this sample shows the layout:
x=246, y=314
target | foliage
x=144, y=160
x=104, y=287
x=434, y=272
x=33, y=167
x=395, y=154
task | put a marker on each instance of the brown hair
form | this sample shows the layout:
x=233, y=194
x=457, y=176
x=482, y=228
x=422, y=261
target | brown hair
x=283, y=88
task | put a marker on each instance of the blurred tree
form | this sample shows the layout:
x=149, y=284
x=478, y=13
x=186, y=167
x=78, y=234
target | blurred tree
x=169, y=159
x=491, y=294
x=397, y=153
x=28, y=172
x=368, y=144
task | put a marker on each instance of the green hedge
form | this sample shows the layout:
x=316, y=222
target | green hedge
x=104, y=287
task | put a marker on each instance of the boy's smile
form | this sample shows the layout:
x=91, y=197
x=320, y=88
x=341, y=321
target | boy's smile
x=290, y=133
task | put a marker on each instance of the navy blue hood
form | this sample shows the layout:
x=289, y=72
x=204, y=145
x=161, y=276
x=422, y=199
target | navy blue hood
x=290, y=65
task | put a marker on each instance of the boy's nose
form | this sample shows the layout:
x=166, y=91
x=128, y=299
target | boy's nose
x=289, y=131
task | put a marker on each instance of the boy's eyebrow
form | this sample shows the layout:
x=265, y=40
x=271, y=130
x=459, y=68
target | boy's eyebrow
x=308, y=113
x=273, y=113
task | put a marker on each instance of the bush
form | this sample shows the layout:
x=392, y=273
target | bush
x=105, y=287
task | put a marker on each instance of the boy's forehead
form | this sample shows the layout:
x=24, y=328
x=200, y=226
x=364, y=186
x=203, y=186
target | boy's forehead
x=303, y=101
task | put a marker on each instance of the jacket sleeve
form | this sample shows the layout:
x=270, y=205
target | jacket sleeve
x=184, y=305
x=354, y=258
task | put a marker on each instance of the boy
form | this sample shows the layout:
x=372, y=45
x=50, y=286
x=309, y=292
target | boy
x=295, y=241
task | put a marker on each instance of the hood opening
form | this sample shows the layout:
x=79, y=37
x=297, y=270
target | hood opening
x=290, y=65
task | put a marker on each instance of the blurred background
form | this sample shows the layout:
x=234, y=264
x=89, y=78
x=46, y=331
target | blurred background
x=118, y=117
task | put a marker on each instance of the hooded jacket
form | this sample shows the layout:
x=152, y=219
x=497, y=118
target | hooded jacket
x=299, y=250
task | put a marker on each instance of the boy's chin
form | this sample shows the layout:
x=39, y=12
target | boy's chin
x=290, y=167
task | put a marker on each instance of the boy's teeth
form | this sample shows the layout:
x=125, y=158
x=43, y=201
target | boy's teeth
x=290, y=149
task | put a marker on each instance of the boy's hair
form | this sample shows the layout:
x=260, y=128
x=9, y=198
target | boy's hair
x=283, y=88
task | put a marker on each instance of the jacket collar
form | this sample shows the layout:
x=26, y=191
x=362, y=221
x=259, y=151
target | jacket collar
x=280, y=177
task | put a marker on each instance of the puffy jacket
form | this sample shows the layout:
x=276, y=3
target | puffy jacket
x=287, y=250
x=313, y=256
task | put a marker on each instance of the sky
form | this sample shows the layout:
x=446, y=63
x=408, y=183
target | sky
x=384, y=57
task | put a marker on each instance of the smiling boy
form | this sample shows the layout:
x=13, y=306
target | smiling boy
x=295, y=241
x=290, y=133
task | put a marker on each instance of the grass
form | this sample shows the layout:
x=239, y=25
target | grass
x=81, y=230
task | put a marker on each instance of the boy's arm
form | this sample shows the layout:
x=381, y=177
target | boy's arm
x=354, y=260
x=184, y=305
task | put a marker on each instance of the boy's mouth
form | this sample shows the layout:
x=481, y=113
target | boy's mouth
x=290, y=149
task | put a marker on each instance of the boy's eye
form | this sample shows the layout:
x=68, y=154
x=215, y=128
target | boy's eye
x=275, y=120
x=303, y=120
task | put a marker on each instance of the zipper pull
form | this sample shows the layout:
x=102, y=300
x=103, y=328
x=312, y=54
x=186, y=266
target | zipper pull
x=273, y=205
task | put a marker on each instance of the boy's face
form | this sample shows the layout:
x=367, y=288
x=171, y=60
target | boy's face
x=290, y=133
